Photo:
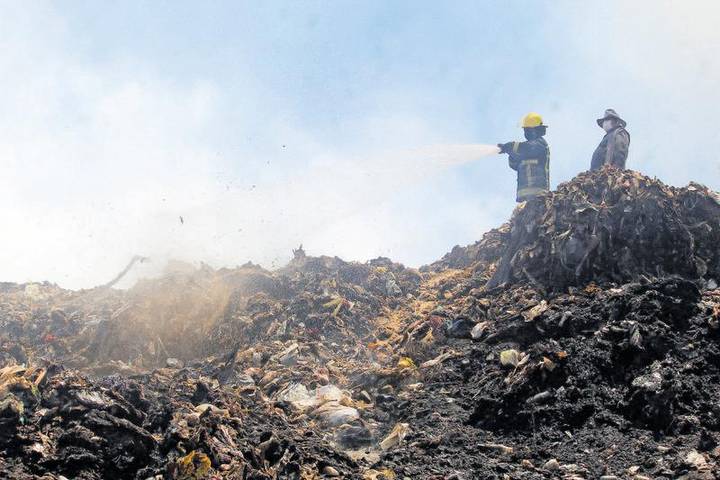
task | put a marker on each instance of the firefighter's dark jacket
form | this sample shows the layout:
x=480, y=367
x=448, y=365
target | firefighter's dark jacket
x=613, y=149
x=531, y=161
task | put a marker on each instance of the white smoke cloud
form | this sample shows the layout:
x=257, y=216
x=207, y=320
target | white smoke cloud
x=100, y=160
x=104, y=161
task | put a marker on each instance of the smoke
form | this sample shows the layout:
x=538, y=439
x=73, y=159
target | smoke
x=135, y=171
x=102, y=161
x=320, y=207
x=107, y=153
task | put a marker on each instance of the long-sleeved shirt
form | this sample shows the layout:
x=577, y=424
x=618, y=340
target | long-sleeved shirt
x=613, y=149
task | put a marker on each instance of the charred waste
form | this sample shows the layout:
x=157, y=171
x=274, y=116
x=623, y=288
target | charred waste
x=580, y=340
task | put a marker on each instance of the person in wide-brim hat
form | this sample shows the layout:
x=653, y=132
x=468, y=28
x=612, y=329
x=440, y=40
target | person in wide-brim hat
x=611, y=114
x=615, y=145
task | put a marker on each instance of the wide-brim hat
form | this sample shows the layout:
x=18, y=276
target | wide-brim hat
x=610, y=113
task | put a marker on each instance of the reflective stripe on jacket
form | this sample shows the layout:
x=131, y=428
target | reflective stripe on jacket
x=531, y=160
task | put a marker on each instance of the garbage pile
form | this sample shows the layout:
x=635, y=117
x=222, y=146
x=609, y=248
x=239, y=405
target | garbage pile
x=189, y=313
x=609, y=381
x=167, y=424
x=135, y=328
x=307, y=345
x=603, y=226
x=315, y=297
x=43, y=320
x=604, y=368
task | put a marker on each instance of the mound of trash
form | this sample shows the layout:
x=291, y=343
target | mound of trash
x=189, y=313
x=602, y=226
x=597, y=383
x=599, y=359
x=167, y=424
x=316, y=297
x=605, y=226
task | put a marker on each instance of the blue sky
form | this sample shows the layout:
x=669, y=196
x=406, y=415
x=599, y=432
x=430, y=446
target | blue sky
x=270, y=124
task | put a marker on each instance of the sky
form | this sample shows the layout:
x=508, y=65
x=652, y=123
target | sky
x=227, y=131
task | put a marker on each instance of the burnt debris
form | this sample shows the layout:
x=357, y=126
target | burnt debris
x=579, y=340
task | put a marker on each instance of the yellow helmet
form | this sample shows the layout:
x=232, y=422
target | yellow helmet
x=532, y=120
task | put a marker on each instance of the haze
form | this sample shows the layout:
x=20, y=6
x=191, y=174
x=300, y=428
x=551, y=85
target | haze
x=225, y=132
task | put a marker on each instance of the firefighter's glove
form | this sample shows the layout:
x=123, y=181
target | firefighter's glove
x=505, y=147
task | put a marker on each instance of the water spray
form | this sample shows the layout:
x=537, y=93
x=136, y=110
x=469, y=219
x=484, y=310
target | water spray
x=451, y=155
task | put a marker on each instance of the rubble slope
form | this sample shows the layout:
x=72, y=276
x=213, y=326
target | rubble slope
x=599, y=357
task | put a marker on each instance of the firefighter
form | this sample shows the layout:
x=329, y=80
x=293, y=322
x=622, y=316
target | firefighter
x=530, y=159
x=613, y=149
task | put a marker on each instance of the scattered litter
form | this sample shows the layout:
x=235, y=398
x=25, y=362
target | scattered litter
x=406, y=362
x=438, y=360
x=396, y=436
x=551, y=465
x=513, y=358
x=478, y=330
x=334, y=414
x=193, y=466
x=504, y=449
